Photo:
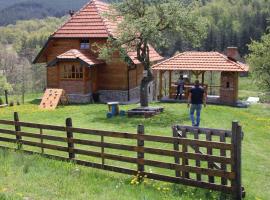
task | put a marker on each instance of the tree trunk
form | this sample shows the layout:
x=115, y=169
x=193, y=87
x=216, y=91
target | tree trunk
x=143, y=57
x=144, y=89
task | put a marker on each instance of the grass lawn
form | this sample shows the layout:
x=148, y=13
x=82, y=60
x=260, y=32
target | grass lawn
x=247, y=88
x=32, y=177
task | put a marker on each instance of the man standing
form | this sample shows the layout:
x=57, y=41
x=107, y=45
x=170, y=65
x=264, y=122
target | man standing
x=197, y=97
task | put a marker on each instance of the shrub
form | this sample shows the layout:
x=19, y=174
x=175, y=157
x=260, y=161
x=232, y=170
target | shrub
x=265, y=98
x=11, y=103
x=1, y=101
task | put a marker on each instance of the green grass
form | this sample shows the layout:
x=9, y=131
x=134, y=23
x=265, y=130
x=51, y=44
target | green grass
x=34, y=177
x=247, y=88
x=47, y=179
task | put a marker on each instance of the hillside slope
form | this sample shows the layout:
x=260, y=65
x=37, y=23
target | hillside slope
x=13, y=10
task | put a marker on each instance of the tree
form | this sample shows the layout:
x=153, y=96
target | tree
x=4, y=85
x=142, y=23
x=259, y=60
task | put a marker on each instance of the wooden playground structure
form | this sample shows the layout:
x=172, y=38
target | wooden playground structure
x=52, y=98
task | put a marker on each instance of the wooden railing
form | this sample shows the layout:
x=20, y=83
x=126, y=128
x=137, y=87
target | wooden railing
x=195, y=163
x=187, y=87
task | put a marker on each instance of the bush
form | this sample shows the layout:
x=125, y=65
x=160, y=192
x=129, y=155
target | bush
x=11, y=103
x=1, y=101
x=265, y=98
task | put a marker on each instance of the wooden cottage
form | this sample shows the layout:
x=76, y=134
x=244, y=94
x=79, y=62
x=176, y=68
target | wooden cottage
x=198, y=64
x=73, y=64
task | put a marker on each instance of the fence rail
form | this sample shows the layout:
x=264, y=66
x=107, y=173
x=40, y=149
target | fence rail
x=196, y=161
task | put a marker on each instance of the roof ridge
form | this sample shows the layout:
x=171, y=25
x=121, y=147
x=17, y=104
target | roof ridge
x=169, y=59
x=107, y=28
x=75, y=14
x=194, y=58
x=233, y=62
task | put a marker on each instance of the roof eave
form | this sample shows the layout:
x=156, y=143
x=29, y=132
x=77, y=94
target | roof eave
x=55, y=37
x=214, y=70
x=56, y=60
x=35, y=61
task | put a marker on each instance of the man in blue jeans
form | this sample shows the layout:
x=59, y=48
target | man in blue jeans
x=196, y=97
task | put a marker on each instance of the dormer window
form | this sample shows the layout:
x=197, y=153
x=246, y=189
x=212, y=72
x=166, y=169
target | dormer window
x=85, y=44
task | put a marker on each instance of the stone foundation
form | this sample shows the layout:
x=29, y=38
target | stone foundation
x=79, y=98
x=122, y=95
x=112, y=95
x=119, y=95
x=134, y=93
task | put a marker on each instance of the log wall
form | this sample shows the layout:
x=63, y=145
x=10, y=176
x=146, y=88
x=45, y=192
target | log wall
x=112, y=76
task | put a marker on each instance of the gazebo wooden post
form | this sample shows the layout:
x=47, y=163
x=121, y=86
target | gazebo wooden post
x=196, y=73
x=203, y=78
x=170, y=84
x=160, y=84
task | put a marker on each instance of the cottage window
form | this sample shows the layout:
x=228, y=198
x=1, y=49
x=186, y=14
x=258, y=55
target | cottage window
x=85, y=44
x=72, y=72
x=228, y=85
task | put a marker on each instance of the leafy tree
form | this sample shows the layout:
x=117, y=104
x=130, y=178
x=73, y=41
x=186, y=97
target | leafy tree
x=4, y=85
x=148, y=22
x=259, y=60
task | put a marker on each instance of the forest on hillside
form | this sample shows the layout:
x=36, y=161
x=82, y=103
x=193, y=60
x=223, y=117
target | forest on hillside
x=229, y=23
x=14, y=10
x=19, y=44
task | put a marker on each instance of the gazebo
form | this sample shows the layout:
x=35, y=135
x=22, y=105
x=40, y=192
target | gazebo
x=198, y=63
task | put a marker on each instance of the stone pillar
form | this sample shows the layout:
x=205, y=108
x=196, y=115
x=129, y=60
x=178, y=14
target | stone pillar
x=229, y=88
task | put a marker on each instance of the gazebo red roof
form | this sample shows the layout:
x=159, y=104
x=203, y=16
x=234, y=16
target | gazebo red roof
x=201, y=61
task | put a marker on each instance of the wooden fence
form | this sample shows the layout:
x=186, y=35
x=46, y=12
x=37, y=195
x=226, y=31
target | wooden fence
x=199, y=157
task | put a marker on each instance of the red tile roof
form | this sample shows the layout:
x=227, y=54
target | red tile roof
x=88, y=22
x=83, y=55
x=201, y=61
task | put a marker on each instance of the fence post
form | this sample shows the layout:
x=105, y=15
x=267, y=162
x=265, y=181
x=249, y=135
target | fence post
x=18, y=130
x=211, y=179
x=197, y=150
x=140, y=155
x=71, y=153
x=102, y=151
x=176, y=148
x=236, y=152
x=41, y=140
x=6, y=96
x=184, y=150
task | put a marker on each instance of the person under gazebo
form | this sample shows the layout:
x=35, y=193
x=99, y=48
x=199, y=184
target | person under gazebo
x=180, y=87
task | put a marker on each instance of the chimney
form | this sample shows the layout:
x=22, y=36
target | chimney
x=71, y=13
x=233, y=54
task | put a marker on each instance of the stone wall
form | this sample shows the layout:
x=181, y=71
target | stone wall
x=119, y=95
x=112, y=95
x=134, y=93
x=122, y=95
x=80, y=98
